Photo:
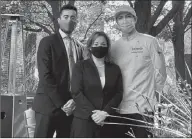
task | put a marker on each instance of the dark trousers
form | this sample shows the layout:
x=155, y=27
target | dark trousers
x=46, y=125
x=120, y=131
x=85, y=128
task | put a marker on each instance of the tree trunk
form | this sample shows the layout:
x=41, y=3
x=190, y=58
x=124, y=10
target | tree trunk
x=55, y=5
x=178, y=40
x=143, y=11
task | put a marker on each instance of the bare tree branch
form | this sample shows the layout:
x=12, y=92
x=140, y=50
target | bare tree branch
x=187, y=8
x=187, y=29
x=130, y=3
x=32, y=29
x=49, y=13
x=157, y=13
x=187, y=18
x=170, y=28
x=157, y=29
x=52, y=28
x=43, y=23
x=42, y=26
x=50, y=16
x=91, y=25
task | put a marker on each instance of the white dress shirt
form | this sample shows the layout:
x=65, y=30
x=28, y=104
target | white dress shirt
x=102, y=81
x=63, y=35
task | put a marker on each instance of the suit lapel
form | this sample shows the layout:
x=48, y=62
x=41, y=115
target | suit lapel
x=107, y=75
x=76, y=48
x=96, y=73
x=61, y=55
x=61, y=46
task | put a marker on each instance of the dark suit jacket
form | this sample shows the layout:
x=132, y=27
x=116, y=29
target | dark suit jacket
x=87, y=91
x=52, y=92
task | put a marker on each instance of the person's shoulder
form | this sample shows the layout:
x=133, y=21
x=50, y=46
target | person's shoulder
x=48, y=39
x=146, y=37
x=116, y=43
x=113, y=65
x=46, y=42
x=51, y=36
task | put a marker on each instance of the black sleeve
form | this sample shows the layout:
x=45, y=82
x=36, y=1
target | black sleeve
x=46, y=77
x=77, y=89
x=116, y=100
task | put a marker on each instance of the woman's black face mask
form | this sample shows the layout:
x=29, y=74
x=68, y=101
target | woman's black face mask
x=99, y=52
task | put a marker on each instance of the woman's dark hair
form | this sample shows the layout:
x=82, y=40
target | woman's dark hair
x=68, y=7
x=92, y=39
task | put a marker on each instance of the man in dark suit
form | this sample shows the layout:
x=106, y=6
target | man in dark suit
x=56, y=56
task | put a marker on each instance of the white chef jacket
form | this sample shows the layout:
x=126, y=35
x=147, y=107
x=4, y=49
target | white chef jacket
x=143, y=70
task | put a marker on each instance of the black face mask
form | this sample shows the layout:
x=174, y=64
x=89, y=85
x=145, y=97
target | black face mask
x=99, y=52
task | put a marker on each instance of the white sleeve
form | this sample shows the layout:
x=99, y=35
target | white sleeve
x=158, y=61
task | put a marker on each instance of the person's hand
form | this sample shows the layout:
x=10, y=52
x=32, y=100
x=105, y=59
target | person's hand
x=69, y=107
x=101, y=123
x=70, y=110
x=70, y=103
x=99, y=116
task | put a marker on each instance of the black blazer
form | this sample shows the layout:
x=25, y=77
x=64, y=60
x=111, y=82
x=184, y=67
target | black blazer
x=87, y=91
x=52, y=91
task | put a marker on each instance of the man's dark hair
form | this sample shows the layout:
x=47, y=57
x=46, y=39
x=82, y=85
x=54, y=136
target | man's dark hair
x=68, y=7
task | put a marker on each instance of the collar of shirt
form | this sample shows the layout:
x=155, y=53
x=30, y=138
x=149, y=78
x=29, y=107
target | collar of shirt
x=132, y=36
x=63, y=34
